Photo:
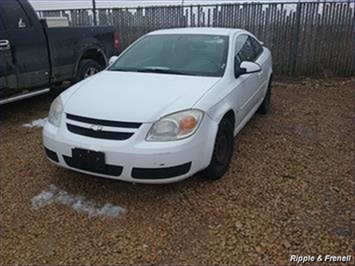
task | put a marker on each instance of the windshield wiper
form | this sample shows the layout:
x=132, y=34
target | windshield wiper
x=124, y=69
x=162, y=71
x=153, y=70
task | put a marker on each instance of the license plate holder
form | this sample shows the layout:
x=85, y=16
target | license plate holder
x=88, y=159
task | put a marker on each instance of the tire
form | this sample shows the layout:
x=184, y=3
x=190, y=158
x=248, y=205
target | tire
x=87, y=68
x=264, y=108
x=222, y=152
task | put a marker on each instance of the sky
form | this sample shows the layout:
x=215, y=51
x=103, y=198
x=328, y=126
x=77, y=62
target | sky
x=58, y=4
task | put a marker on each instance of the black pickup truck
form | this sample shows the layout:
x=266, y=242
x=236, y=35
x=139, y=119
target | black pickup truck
x=35, y=58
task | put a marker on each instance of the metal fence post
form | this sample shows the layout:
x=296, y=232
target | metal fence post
x=94, y=12
x=296, y=38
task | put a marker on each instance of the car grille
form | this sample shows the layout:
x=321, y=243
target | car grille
x=95, y=128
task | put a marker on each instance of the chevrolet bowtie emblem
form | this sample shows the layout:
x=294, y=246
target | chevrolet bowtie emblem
x=96, y=127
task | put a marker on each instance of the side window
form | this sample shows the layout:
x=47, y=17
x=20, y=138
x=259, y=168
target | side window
x=257, y=48
x=243, y=49
x=243, y=52
x=13, y=16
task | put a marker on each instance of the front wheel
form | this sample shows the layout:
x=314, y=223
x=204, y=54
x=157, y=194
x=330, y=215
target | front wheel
x=222, y=152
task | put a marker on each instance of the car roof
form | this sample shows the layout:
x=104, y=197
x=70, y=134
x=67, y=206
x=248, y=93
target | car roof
x=201, y=30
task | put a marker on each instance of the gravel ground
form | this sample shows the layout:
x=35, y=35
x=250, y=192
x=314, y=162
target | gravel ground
x=289, y=190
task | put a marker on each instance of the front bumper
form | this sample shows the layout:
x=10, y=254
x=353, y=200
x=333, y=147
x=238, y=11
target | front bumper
x=135, y=159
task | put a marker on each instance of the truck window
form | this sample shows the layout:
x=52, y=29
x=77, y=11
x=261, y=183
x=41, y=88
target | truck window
x=13, y=16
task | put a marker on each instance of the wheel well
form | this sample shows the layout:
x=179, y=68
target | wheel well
x=230, y=116
x=95, y=54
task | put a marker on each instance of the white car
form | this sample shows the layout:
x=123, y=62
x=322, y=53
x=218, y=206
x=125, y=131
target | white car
x=168, y=107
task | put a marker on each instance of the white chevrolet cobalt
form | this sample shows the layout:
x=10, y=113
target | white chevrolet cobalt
x=168, y=107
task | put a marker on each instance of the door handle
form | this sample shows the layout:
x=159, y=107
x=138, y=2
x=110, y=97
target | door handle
x=4, y=45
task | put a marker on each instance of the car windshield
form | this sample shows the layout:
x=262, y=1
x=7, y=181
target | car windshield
x=182, y=54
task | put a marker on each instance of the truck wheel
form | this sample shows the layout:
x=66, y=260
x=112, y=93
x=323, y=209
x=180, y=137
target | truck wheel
x=222, y=152
x=265, y=105
x=87, y=68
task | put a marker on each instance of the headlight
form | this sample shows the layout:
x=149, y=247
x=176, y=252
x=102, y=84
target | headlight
x=55, y=112
x=176, y=126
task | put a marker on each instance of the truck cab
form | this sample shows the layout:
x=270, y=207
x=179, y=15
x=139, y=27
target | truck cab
x=35, y=57
x=23, y=47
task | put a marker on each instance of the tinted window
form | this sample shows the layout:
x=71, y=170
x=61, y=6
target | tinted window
x=186, y=54
x=13, y=15
x=257, y=48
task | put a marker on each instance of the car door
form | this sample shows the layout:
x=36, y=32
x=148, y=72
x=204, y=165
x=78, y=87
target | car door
x=28, y=46
x=261, y=59
x=247, y=85
x=8, y=80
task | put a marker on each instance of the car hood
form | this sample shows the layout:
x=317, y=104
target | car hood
x=136, y=97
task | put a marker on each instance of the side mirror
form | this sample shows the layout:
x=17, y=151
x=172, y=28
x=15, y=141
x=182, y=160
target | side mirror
x=112, y=60
x=247, y=67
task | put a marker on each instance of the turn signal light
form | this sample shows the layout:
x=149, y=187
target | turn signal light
x=188, y=123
